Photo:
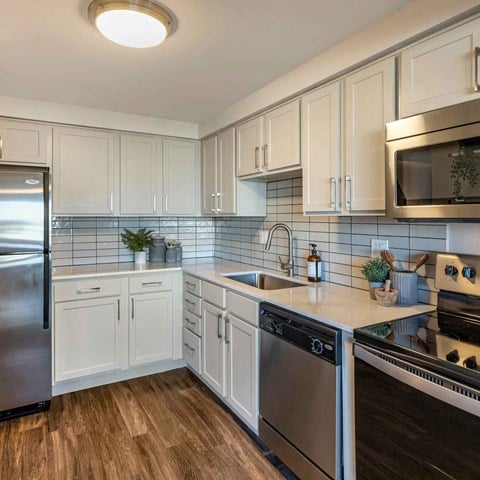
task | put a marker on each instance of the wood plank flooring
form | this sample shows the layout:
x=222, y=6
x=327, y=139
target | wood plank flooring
x=160, y=427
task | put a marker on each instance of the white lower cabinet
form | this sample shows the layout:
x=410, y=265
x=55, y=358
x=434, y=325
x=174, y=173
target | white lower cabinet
x=151, y=328
x=88, y=338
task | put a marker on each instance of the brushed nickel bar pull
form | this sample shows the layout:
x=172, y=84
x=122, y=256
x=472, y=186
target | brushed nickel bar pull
x=227, y=321
x=212, y=199
x=257, y=159
x=189, y=301
x=166, y=203
x=151, y=284
x=219, y=201
x=476, y=85
x=1, y=148
x=88, y=290
x=155, y=203
x=111, y=202
x=190, y=322
x=133, y=308
x=265, y=162
x=219, y=326
x=189, y=347
x=118, y=309
x=348, y=187
x=333, y=189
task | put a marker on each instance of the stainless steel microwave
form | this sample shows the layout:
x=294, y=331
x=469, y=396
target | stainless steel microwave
x=433, y=164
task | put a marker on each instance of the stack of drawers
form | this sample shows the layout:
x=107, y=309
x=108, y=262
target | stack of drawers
x=192, y=322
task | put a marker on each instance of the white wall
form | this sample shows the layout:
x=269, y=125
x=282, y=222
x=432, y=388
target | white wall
x=92, y=117
x=415, y=18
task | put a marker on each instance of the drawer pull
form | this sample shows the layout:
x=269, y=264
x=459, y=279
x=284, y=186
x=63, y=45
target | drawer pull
x=192, y=349
x=227, y=321
x=151, y=284
x=88, y=290
x=189, y=301
x=219, y=327
x=133, y=308
x=118, y=309
x=190, y=285
x=190, y=322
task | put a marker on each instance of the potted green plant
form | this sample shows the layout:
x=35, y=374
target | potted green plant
x=376, y=272
x=137, y=242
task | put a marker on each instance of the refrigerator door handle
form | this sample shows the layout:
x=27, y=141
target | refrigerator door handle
x=46, y=293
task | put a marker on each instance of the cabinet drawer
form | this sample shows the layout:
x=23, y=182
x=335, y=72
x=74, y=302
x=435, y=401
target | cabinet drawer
x=192, y=285
x=192, y=304
x=192, y=322
x=192, y=351
x=214, y=294
x=85, y=289
x=243, y=308
x=149, y=283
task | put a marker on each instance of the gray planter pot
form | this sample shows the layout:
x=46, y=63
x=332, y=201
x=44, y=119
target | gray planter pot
x=372, y=286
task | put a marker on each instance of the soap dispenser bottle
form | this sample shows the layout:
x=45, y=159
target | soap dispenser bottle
x=314, y=265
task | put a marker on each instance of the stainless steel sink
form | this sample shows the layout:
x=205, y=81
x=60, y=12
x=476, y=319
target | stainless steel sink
x=263, y=280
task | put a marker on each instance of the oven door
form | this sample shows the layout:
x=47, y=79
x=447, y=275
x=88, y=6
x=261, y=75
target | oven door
x=435, y=175
x=408, y=425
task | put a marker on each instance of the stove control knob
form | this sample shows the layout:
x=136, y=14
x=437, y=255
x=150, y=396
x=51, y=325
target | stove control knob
x=471, y=362
x=451, y=270
x=453, y=356
x=316, y=346
x=468, y=272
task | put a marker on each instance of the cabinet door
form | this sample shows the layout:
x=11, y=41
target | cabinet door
x=213, y=347
x=140, y=167
x=369, y=104
x=87, y=337
x=249, y=146
x=321, y=151
x=151, y=328
x=226, y=179
x=440, y=71
x=242, y=360
x=209, y=175
x=181, y=177
x=84, y=171
x=25, y=142
x=282, y=132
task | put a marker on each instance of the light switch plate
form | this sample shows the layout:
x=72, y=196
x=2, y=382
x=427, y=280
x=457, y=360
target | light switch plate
x=263, y=237
x=377, y=246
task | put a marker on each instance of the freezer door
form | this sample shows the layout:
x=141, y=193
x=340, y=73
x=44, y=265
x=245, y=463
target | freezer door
x=25, y=336
x=23, y=210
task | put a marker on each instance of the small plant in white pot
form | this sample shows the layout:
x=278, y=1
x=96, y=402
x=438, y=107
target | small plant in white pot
x=137, y=242
x=376, y=272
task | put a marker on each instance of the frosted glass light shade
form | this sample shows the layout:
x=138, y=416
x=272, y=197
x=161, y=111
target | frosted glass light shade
x=132, y=23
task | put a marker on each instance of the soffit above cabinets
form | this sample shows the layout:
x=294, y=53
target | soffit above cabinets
x=221, y=52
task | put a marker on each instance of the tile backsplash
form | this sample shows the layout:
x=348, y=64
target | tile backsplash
x=91, y=240
x=343, y=242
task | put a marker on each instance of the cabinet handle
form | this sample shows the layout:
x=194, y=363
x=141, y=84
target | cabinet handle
x=88, y=290
x=227, y=321
x=476, y=85
x=189, y=347
x=154, y=203
x=133, y=308
x=219, y=326
x=348, y=192
x=166, y=203
x=333, y=192
x=111, y=202
x=190, y=322
x=151, y=284
x=189, y=285
x=118, y=309
x=257, y=158
x=219, y=202
x=212, y=199
x=1, y=148
x=265, y=162
x=189, y=302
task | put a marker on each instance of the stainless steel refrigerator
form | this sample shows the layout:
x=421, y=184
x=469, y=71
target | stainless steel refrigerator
x=25, y=336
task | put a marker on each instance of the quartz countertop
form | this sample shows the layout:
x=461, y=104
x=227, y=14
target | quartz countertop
x=336, y=305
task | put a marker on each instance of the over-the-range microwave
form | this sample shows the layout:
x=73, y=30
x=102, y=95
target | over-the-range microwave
x=433, y=164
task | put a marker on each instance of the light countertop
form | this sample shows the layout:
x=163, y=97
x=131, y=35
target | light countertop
x=336, y=305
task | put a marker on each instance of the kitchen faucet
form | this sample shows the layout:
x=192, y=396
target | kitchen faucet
x=289, y=264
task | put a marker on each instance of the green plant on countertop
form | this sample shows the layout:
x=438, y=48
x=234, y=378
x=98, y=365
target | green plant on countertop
x=375, y=270
x=137, y=241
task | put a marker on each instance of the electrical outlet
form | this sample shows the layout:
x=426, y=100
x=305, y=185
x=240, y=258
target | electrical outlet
x=263, y=237
x=377, y=246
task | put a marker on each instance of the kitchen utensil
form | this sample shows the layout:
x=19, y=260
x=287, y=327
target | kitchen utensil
x=423, y=259
x=407, y=285
x=388, y=257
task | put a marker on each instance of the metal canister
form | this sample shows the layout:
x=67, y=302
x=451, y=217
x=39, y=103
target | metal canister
x=157, y=249
x=171, y=254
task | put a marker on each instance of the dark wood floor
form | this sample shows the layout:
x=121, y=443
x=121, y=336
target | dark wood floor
x=164, y=426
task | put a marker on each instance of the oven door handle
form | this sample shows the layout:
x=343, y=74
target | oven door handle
x=432, y=384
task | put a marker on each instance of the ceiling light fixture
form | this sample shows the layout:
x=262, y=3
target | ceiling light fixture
x=132, y=23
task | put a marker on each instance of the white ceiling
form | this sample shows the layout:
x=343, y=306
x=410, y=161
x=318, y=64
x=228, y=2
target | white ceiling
x=222, y=51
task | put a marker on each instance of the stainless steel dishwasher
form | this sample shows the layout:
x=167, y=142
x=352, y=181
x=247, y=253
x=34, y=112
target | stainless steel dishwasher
x=300, y=393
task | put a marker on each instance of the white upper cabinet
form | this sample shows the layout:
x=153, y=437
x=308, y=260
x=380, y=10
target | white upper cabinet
x=369, y=104
x=282, y=137
x=25, y=142
x=440, y=71
x=140, y=175
x=249, y=144
x=321, y=152
x=84, y=171
x=181, y=177
x=209, y=175
x=226, y=181
x=270, y=143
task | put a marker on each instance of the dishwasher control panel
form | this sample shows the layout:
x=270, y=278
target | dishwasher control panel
x=309, y=335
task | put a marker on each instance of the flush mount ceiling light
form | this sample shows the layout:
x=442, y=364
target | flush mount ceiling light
x=132, y=23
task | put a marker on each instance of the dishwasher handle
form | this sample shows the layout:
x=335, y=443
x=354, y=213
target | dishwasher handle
x=437, y=386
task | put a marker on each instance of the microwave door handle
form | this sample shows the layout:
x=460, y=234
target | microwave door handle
x=476, y=54
x=419, y=382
